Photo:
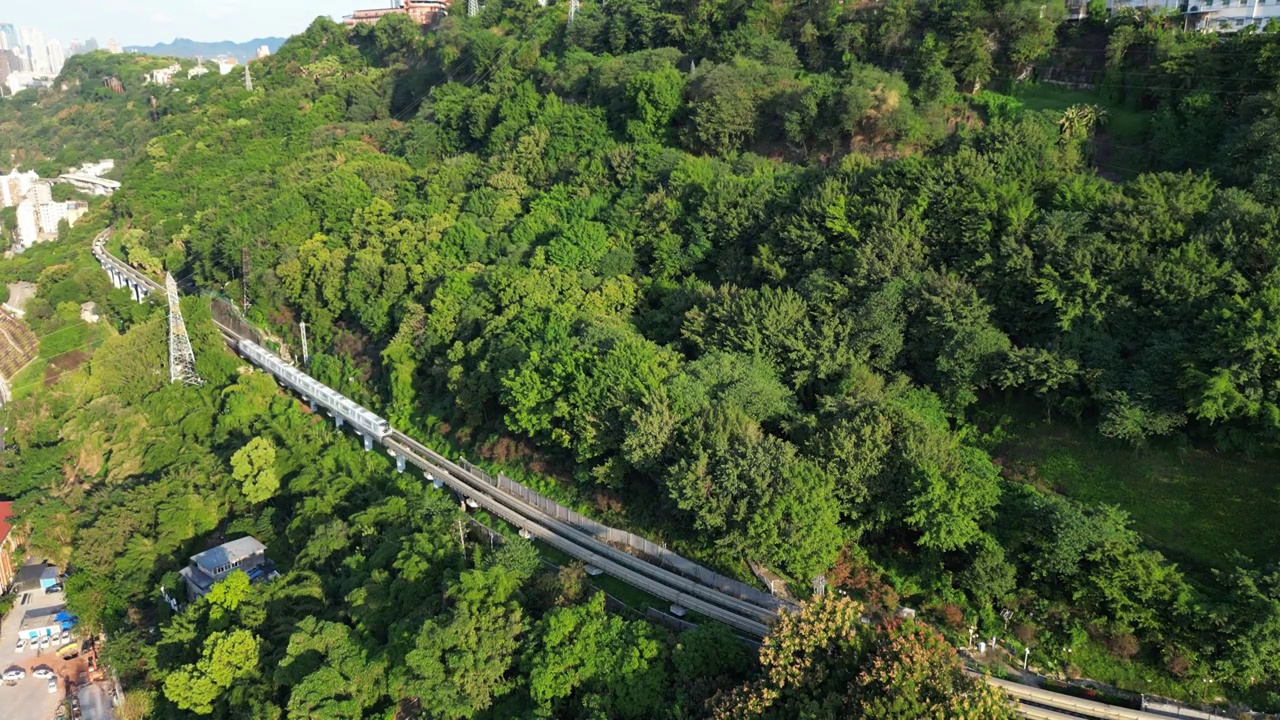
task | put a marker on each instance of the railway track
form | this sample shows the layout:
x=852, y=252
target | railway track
x=742, y=615
x=746, y=617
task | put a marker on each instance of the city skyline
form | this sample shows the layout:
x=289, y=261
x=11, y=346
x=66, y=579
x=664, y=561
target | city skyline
x=147, y=22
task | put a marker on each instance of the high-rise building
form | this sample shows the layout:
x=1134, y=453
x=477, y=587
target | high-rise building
x=56, y=57
x=37, y=50
x=28, y=225
x=75, y=48
x=90, y=45
x=8, y=36
x=8, y=64
x=113, y=46
x=263, y=51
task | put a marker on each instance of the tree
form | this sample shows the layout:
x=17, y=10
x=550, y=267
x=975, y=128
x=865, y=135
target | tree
x=254, y=467
x=227, y=657
x=824, y=662
x=580, y=656
x=462, y=661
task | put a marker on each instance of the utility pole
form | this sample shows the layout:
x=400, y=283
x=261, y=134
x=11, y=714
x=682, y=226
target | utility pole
x=182, y=359
x=244, y=279
x=248, y=79
x=306, y=358
x=462, y=534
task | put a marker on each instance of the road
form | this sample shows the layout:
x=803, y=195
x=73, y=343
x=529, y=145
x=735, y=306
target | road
x=95, y=702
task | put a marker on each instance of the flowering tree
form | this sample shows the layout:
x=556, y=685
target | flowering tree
x=823, y=662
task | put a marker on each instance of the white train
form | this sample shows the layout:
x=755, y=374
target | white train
x=337, y=403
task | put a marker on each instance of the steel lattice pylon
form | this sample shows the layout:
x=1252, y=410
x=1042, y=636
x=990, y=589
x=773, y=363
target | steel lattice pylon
x=182, y=359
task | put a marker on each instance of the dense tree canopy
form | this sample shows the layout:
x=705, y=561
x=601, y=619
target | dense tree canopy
x=739, y=274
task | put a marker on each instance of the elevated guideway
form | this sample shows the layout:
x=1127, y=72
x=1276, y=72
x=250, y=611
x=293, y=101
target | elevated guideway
x=749, y=614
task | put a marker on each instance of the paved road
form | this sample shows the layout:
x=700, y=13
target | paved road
x=95, y=702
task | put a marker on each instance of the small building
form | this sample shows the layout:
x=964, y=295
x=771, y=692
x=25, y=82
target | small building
x=162, y=76
x=50, y=620
x=245, y=554
x=87, y=312
x=48, y=577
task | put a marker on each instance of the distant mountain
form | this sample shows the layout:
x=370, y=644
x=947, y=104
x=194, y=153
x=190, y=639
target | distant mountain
x=187, y=48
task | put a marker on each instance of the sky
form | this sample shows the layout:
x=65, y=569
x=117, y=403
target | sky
x=146, y=22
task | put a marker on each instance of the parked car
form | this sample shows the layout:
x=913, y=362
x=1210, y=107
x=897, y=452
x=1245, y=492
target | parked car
x=53, y=685
x=15, y=674
x=22, y=644
x=42, y=672
x=53, y=589
x=66, y=636
x=44, y=642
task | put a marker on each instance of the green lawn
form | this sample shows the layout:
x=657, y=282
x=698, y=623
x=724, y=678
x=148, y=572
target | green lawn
x=1123, y=123
x=1196, y=506
x=1118, y=144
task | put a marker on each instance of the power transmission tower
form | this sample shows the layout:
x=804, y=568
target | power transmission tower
x=573, y=10
x=248, y=79
x=473, y=8
x=306, y=358
x=182, y=359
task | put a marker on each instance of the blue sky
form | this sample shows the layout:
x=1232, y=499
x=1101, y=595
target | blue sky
x=145, y=22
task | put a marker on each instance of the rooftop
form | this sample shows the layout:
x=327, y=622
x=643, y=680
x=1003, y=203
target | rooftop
x=6, y=512
x=40, y=617
x=228, y=553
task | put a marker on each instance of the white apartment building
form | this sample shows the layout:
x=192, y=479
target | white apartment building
x=164, y=75
x=197, y=71
x=28, y=229
x=49, y=214
x=1205, y=15
x=226, y=65
x=1228, y=16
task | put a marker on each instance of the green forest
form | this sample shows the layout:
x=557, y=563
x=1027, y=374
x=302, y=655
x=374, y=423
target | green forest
x=843, y=290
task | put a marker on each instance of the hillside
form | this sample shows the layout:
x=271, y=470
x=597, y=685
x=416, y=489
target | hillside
x=193, y=49
x=771, y=283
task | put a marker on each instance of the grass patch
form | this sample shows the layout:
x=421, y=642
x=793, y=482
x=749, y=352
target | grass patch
x=1123, y=123
x=1196, y=506
x=1118, y=150
x=30, y=379
x=1096, y=663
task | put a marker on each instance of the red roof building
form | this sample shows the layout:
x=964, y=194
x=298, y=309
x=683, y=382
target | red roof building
x=423, y=12
x=8, y=545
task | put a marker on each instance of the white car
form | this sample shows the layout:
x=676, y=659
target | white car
x=15, y=674
x=53, y=685
x=44, y=642
x=42, y=672
x=66, y=636
x=22, y=644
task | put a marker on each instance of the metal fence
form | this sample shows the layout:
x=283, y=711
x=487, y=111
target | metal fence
x=641, y=546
